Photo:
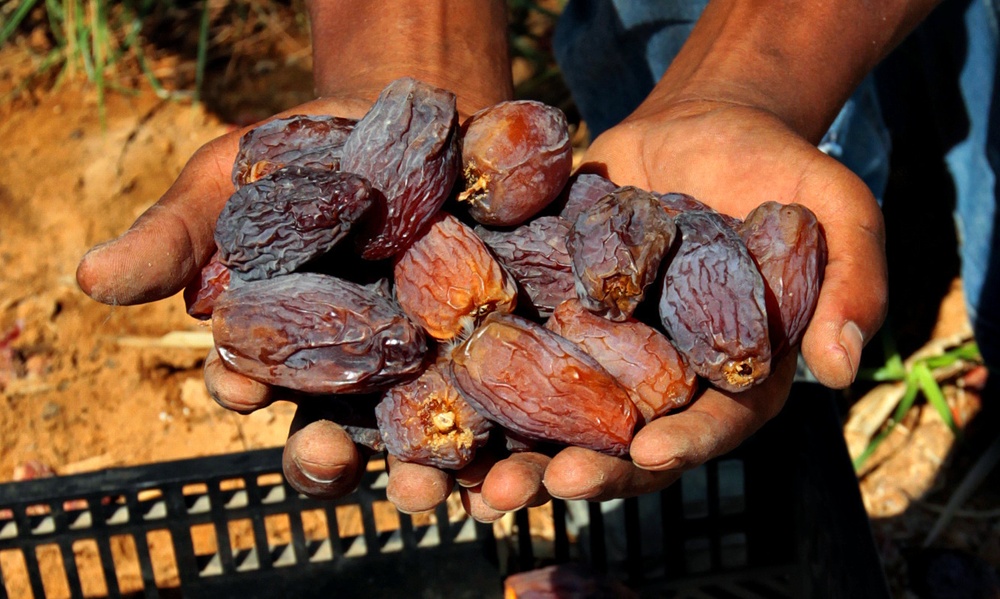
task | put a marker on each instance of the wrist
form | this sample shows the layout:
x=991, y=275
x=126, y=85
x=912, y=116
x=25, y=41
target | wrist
x=360, y=46
x=799, y=61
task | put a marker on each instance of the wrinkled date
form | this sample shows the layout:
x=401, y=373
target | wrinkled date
x=200, y=295
x=535, y=254
x=642, y=359
x=790, y=250
x=516, y=158
x=712, y=304
x=317, y=334
x=277, y=224
x=315, y=141
x=406, y=145
x=616, y=247
x=426, y=421
x=581, y=192
x=542, y=386
x=448, y=280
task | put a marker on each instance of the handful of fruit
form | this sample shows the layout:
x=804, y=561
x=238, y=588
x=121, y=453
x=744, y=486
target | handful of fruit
x=454, y=282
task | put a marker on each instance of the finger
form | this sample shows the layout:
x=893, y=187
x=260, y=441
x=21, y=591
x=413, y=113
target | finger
x=578, y=473
x=232, y=390
x=714, y=424
x=853, y=298
x=415, y=488
x=516, y=482
x=320, y=460
x=475, y=473
x=169, y=243
x=479, y=510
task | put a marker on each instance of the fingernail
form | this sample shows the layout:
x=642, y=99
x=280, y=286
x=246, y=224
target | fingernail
x=671, y=464
x=852, y=341
x=321, y=474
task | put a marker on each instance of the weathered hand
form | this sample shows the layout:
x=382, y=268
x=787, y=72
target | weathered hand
x=733, y=158
x=164, y=250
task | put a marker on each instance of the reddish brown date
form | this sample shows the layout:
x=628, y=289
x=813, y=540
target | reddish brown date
x=200, y=295
x=277, y=224
x=407, y=146
x=314, y=141
x=516, y=158
x=616, y=247
x=712, y=304
x=788, y=245
x=317, y=334
x=643, y=360
x=448, y=280
x=426, y=421
x=581, y=192
x=564, y=581
x=542, y=386
x=535, y=254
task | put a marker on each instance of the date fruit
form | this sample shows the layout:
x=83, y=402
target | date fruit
x=516, y=158
x=581, y=192
x=788, y=245
x=676, y=203
x=426, y=421
x=407, y=146
x=616, y=247
x=448, y=280
x=314, y=141
x=317, y=334
x=535, y=254
x=200, y=295
x=712, y=304
x=542, y=386
x=643, y=360
x=277, y=224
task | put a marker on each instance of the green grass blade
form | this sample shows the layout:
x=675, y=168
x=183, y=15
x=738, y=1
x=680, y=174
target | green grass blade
x=935, y=397
x=19, y=13
x=905, y=403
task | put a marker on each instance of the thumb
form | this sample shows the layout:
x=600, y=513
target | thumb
x=853, y=299
x=167, y=245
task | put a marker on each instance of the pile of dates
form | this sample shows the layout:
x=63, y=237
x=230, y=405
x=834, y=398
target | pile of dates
x=447, y=284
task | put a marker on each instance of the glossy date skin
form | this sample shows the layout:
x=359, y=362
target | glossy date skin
x=407, y=147
x=426, y=421
x=276, y=225
x=315, y=141
x=787, y=243
x=542, y=386
x=516, y=159
x=535, y=254
x=582, y=191
x=712, y=303
x=317, y=334
x=616, y=246
x=200, y=295
x=448, y=280
x=641, y=358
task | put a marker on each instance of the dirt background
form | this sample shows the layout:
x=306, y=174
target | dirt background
x=85, y=386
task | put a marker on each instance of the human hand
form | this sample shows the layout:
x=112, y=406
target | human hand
x=731, y=157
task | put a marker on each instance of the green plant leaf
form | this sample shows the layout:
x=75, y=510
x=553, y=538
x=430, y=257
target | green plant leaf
x=932, y=391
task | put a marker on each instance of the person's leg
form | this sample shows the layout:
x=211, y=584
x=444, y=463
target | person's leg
x=974, y=162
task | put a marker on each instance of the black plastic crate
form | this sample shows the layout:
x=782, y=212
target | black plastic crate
x=780, y=517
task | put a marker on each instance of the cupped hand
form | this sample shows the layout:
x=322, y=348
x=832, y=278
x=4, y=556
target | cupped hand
x=733, y=158
x=165, y=249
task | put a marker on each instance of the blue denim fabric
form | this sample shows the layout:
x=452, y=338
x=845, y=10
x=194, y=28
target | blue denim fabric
x=612, y=52
x=973, y=163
